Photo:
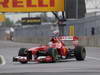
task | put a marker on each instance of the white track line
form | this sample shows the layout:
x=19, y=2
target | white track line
x=3, y=60
x=93, y=58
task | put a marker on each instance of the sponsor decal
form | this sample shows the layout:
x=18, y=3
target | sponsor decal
x=31, y=5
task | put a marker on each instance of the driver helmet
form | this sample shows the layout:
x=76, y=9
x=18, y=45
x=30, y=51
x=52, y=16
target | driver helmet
x=56, y=33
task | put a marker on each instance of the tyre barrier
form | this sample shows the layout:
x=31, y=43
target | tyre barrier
x=2, y=60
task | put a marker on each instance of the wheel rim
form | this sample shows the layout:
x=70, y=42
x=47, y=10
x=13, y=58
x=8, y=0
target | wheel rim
x=26, y=51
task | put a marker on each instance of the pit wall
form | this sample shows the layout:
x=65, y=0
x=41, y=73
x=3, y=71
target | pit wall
x=91, y=41
x=42, y=34
x=34, y=35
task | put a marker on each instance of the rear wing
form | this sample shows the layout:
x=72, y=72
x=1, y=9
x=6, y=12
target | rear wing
x=69, y=38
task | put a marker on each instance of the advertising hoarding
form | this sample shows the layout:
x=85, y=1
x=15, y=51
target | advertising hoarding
x=31, y=5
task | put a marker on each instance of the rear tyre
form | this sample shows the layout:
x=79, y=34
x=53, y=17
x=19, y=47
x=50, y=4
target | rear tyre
x=24, y=53
x=54, y=53
x=80, y=53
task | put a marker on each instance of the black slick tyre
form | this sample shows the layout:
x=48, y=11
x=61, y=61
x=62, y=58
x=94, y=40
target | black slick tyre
x=54, y=53
x=80, y=53
x=24, y=53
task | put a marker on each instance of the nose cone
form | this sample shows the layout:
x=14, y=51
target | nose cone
x=2, y=60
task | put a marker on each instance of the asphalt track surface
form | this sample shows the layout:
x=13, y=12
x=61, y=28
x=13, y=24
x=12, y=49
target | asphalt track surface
x=91, y=66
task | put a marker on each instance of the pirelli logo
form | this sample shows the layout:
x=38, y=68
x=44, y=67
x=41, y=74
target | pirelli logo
x=31, y=5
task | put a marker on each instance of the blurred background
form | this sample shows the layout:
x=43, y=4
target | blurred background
x=80, y=18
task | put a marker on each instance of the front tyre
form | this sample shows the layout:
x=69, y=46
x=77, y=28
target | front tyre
x=80, y=53
x=54, y=53
x=23, y=52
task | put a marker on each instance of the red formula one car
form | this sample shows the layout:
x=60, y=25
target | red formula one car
x=54, y=51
